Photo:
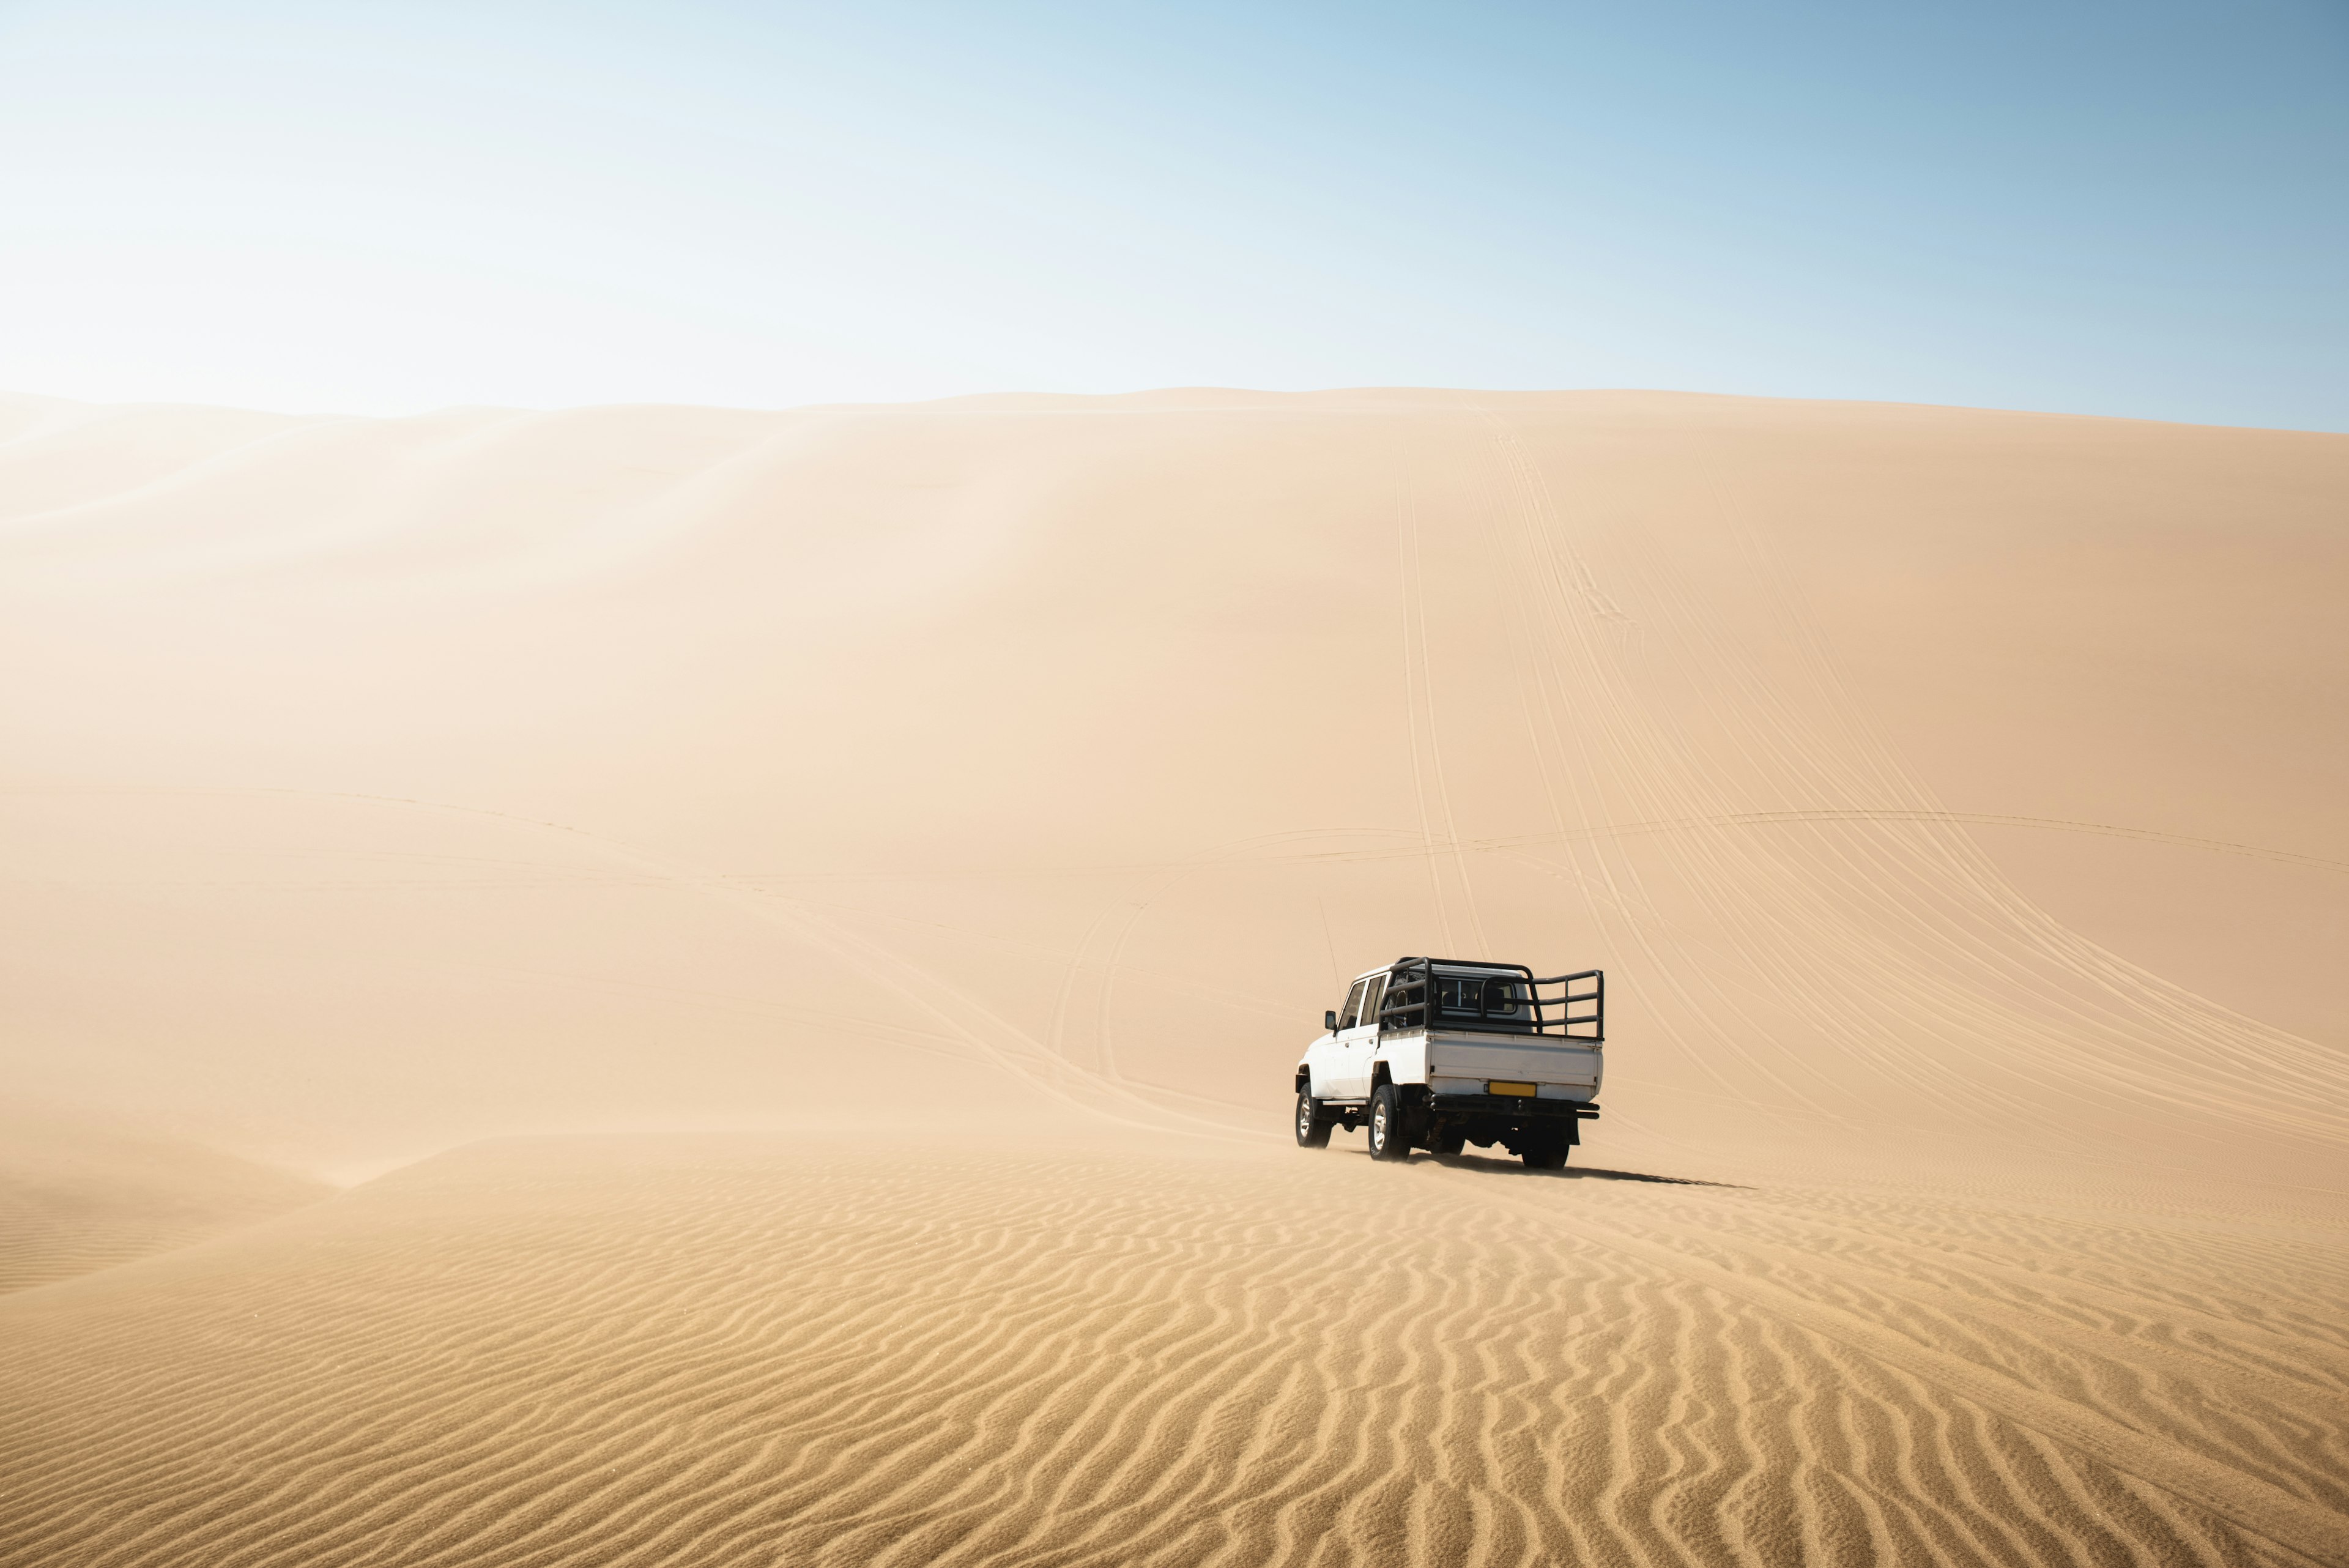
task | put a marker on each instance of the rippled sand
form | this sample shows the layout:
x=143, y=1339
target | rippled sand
x=727, y=1350
x=685, y=986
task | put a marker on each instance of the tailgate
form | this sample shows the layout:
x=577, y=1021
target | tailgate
x=1479, y=1058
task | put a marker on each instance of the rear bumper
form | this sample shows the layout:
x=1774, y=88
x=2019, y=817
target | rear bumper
x=1513, y=1107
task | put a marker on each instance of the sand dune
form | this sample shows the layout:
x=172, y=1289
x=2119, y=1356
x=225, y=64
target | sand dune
x=78, y=1196
x=868, y=872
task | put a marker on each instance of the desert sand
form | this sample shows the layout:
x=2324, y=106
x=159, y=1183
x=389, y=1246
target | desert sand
x=664, y=985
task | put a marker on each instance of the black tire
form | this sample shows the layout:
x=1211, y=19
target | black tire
x=1451, y=1142
x=1548, y=1153
x=1313, y=1125
x=1390, y=1139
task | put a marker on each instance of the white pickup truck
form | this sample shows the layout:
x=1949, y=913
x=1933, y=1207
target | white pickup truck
x=1438, y=1053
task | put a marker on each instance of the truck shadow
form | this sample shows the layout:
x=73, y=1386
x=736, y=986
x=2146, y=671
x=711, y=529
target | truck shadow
x=1513, y=1167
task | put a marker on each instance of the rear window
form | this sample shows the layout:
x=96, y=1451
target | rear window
x=1481, y=996
x=1480, y=999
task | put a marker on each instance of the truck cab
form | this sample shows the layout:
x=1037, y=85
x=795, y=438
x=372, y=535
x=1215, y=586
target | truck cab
x=1441, y=1053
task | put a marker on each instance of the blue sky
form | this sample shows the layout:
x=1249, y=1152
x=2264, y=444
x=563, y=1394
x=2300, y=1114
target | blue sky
x=2128, y=209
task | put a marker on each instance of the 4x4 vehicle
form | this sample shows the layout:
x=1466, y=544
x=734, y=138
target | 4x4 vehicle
x=1438, y=1053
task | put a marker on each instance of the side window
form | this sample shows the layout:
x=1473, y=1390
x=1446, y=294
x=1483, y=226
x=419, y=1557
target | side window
x=1354, y=1012
x=1407, y=994
x=1370, y=998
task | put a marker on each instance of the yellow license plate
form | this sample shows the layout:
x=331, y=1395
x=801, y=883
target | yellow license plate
x=1497, y=1087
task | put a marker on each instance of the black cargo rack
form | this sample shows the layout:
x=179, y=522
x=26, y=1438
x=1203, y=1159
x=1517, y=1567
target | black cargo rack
x=1505, y=997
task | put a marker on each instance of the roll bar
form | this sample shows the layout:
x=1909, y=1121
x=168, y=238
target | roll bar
x=1413, y=993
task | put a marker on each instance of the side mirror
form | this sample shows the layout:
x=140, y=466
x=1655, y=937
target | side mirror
x=1329, y=1020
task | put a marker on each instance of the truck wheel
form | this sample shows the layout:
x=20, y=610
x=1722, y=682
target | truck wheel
x=1548, y=1153
x=1388, y=1140
x=1312, y=1126
x=1452, y=1140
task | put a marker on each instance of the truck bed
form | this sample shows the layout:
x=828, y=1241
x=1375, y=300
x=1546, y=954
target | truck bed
x=1463, y=1062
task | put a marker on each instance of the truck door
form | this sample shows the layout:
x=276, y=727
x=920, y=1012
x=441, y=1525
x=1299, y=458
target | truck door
x=1375, y=993
x=1349, y=1053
